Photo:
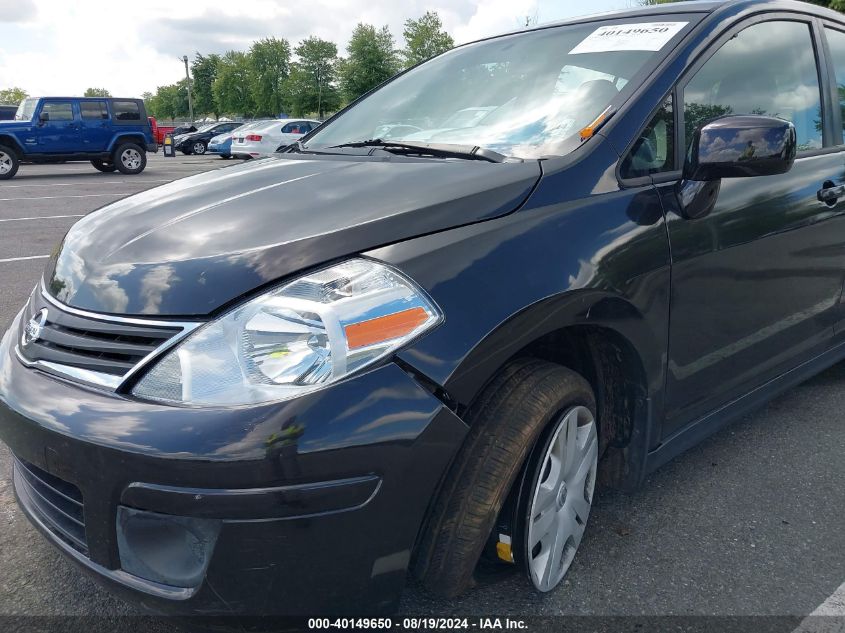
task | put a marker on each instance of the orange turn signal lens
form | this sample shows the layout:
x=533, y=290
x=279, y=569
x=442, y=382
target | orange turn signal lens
x=384, y=328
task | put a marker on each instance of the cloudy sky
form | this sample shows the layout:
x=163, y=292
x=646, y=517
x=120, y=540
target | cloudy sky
x=63, y=47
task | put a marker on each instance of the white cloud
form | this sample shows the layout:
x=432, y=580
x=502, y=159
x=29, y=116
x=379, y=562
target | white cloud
x=58, y=47
x=17, y=10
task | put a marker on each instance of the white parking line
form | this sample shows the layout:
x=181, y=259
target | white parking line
x=41, y=217
x=87, y=195
x=20, y=259
x=820, y=620
x=82, y=184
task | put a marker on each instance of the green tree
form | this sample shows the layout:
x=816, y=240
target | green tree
x=12, y=95
x=312, y=85
x=270, y=67
x=96, y=92
x=231, y=89
x=168, y=102
x=372, y=60
x=204, y=69
x=424, y=39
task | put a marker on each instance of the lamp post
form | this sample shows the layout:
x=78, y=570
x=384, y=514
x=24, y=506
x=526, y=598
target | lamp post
x=190, y=99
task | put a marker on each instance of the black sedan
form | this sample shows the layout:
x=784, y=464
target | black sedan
x=197, y=142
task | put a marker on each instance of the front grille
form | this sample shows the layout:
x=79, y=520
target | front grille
x=90, y=347
x=55, y=502
x=93, y=344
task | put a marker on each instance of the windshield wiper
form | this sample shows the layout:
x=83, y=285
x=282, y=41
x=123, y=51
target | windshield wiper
x=469, y=152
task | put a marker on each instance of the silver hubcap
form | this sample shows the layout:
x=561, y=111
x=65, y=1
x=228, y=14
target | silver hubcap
x=131, y=158
x=562, y=498
x=199, y=148
x=5, y=163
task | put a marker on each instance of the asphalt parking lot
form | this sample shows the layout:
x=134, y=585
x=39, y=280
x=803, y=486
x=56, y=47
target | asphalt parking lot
x=748, y=523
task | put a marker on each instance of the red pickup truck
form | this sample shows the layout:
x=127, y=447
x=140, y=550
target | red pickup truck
x=160, y=131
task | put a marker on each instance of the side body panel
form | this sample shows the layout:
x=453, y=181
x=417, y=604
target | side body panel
x=582, y=252
x=756, y=286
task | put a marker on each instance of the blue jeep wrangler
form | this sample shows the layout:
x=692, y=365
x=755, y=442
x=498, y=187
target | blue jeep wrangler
x=111, y=133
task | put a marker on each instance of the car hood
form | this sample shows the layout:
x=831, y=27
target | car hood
x=195, y=245
x=191, y=136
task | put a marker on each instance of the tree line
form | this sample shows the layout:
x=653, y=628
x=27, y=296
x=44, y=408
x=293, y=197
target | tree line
x=309, y=79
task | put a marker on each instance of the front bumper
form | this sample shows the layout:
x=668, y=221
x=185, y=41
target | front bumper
x=318, y=500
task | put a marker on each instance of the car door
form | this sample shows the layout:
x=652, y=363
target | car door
x=834, y=36
x=756, y=283
x=95, y=125
x=57, y=127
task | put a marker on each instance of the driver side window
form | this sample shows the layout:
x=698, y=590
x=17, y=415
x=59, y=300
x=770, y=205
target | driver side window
x=768, y=68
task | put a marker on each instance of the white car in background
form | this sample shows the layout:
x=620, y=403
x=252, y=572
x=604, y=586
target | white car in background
x=222, y=143
x=264, y=140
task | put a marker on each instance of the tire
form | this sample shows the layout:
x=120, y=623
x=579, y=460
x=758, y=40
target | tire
x=130, y=159
x=507, y=423
x=199, y=148
x=225, y=156
x=9, y=163
x=103, y=166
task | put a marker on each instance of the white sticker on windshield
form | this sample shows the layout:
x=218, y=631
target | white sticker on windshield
x=648, y=36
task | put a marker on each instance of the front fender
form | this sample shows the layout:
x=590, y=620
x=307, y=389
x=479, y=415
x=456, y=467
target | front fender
x=569, y=257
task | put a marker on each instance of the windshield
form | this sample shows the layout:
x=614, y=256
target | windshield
x=526, y=95
x=26, y=109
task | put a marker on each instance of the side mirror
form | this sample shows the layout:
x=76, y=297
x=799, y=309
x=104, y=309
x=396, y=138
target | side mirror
x=44, y=117
x=733, y=147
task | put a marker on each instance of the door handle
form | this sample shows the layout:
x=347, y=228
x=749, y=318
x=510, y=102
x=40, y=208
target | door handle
x=830, y=193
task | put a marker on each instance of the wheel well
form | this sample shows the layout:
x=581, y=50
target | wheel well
x=612, y=366
x=11, y=143
x=138, y=140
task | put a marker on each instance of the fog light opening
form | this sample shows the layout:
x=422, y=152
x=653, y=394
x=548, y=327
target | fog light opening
x=166, y=549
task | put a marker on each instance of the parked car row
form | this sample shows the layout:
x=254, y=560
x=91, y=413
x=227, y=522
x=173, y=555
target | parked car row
x=254, y=139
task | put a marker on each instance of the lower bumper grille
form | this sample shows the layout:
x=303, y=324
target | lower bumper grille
x=57, y=503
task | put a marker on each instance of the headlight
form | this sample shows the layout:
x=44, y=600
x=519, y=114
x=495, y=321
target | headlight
x=302, y=336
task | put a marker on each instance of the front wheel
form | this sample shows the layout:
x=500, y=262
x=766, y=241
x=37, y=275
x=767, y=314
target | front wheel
x=557, y=497
x=103, y=166
x=130, y=159
x=9, y=163
x=532, y=439
x=199, y=148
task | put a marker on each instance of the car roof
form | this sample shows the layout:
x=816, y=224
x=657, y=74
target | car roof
x=89, y=98
x=691, y=6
